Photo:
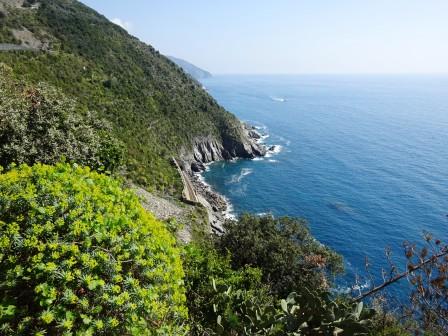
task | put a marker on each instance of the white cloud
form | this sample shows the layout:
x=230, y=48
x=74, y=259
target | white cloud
x=123, y=24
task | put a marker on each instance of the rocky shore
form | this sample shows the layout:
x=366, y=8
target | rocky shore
x=244, y=144
x=216, y=205
x=208, y=150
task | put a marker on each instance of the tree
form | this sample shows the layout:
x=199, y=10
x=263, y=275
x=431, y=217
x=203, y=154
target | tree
x=283, y=248
x=427, y=272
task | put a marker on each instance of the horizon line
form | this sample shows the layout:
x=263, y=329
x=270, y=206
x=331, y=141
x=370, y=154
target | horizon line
x=329, y=74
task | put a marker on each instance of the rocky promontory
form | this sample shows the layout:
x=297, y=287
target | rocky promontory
x=244, y=145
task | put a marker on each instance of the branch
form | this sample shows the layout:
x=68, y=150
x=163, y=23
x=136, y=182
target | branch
x=400, y=276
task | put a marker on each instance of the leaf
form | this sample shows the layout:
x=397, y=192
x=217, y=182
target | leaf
x=257, y=315
x=228, y=290
x=337, y=331
x=358, y=309
x=284, y=305
x=8, y=311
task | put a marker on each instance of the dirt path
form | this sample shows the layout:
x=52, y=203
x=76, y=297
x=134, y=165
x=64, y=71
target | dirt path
x=164, y=209
x=189, y=194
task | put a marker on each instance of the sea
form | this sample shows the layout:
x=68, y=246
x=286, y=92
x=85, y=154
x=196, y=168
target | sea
x=363, y=158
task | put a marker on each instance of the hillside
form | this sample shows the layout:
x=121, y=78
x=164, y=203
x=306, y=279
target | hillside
x=191, y=69
x=155, y=109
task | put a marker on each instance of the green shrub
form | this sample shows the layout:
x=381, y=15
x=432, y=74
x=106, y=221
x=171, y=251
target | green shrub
x=283, y=248
x=39, y=124
x=79, y=255
x=216, y=292
x=226, y=301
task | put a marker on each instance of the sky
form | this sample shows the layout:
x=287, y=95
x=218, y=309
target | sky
x=291, y=36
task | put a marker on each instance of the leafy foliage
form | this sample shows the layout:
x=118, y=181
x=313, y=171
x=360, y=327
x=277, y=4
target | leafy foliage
x=314, y=313
x=387, y=322
x=39, y=124
x=79, y=254
x=215, y=290
x=282, y=248
x=226, y=301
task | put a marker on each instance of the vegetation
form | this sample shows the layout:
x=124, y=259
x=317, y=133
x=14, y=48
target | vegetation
x=154, y=107
x=229, y=293
x=426, y=270
x=39, y=124
x=79, y=254
x=215, y=289
x=283, y=249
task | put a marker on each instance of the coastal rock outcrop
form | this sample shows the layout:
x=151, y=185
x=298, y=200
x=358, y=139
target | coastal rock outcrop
x=241, y=143
x=208, y=149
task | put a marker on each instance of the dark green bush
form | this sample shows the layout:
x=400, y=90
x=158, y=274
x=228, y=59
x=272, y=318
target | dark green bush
x=215, y=290
x=283, y=248
x=79, y=255
x=226, y=301
x=39, y=124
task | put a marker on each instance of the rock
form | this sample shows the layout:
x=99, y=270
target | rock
x=197, y=167
x=239, y=144
x=242, y=142
x=272, y=148
x=254, y=134
x=165, y=209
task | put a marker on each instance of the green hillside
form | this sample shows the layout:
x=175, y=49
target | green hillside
x=154, y=108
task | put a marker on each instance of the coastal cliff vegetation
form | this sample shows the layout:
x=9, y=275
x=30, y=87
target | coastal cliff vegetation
x=154, y=108
x=87, y=111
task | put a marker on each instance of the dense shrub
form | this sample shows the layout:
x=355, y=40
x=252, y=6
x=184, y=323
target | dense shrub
x=215, y=292
x=283, y=248
x=39, y=124
x=80, y=255
x=226, y=301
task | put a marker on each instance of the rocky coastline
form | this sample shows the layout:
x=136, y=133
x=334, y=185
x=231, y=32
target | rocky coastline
x=208, y=150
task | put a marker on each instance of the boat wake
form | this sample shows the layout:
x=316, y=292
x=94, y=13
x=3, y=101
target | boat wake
x=278, y=99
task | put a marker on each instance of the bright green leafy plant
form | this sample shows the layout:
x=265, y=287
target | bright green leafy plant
x=79, y=255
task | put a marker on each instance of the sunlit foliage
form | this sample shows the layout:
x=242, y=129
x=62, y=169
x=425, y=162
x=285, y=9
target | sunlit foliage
x=79, y=254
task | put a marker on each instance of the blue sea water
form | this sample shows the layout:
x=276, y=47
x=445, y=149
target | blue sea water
x=363, y=158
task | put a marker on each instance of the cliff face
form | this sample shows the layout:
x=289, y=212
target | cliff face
x=209, y=149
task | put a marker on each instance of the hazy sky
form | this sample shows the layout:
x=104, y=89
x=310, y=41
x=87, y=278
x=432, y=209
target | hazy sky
x=292, y=36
